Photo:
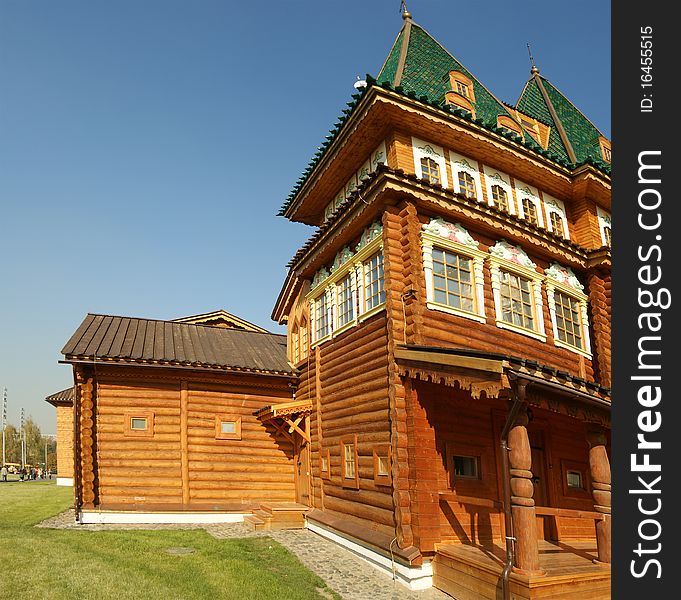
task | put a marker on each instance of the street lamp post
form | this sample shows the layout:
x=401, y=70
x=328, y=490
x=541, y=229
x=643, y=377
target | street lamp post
x=4, y=423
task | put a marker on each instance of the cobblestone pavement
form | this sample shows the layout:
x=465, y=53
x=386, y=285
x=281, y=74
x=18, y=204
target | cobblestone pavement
x=350, y=576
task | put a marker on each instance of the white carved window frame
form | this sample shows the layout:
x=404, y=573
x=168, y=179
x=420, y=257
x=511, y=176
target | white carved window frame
x=455, y=161
x=552, y=204
x=496, y=265
x=355, y=267
x=604, y=220
x=521, y=191
x=428, y=241
x=422, y=149
x=495, y=177
x=582, y=299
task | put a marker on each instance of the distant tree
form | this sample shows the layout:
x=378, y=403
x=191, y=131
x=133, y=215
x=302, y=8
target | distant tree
x=35, y=448
x=12, y=444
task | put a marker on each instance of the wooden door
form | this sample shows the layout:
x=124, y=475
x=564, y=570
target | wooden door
x=539, y=476
x=302, y=470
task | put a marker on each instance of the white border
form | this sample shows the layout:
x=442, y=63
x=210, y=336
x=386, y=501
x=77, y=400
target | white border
x=88, y=517
x=422, y=149
x=414, y=578
x=495, y=177
x=454, y=161
x=67, y=481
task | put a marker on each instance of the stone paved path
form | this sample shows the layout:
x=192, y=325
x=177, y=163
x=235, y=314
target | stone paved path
x=344, y=572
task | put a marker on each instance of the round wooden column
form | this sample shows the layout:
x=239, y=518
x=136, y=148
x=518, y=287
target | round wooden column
x=522, y=503
x=599, y=466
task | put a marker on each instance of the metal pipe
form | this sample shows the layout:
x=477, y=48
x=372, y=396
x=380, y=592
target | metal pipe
x=518, y=391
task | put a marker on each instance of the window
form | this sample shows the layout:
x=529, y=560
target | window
x=607, y=154
x=140, y=423
x=509, y=124
x=467, y=184
x=295, y=345
x=574, y=480
x=568, y=320
x=516, y=300
x=374, y=292
x=530, y=211
x=325, y=464
x=453, y=267
x=453, y=280
x=346, y=301
x=500, y=198
x=557, y=223
x=430, y=170
x=382, y=464
x=227, y=427
x=321, y=317
x=349, y=466
x=467, y=467
x=461, y=88
x=607, y=234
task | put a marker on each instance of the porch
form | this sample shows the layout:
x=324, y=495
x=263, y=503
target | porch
x=474, y=572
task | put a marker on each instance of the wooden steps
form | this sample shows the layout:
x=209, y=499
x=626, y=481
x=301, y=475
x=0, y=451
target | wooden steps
x=277, y=515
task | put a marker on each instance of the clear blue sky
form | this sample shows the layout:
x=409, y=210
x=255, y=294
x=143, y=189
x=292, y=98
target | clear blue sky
x=145, y=147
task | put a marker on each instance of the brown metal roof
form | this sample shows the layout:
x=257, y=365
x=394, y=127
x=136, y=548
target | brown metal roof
x=63, y=398
x=131, y=340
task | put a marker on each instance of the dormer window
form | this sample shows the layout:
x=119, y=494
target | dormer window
x=606, y=149
x=462, y=89
x=607, y=233
x=508, y=124
x=430, y=170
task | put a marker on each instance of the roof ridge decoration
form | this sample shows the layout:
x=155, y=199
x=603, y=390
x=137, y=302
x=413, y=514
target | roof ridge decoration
x=564, y=275
x=450, y=231
x=502, y=249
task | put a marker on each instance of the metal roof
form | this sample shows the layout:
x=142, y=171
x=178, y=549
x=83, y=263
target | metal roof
x=132, y=340
x=65, y=397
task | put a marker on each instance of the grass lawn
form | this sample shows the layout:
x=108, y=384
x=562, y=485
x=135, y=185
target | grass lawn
x=40, y=563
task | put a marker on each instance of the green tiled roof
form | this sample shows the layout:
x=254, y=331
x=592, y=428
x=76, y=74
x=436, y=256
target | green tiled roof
x=426, y=73
x=581, y=133
x=425, y=78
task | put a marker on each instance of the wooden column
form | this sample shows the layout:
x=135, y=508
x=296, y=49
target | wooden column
x=599, y=466
x=522, y=503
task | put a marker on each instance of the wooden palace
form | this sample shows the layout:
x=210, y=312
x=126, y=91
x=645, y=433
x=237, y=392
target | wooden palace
x=440, y=404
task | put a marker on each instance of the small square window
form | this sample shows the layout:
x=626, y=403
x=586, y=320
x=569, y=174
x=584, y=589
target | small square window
x=227, y=427
x=574, y=480
x=139, y=424
x=467, y=466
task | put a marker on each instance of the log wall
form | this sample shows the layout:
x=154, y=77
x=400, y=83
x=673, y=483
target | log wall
x=428, y=326
x=349, y=378
x=65, y=441
x=182, y=464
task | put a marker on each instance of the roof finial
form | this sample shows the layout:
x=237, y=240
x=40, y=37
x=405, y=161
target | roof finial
x=534, y=70
x=403, y=9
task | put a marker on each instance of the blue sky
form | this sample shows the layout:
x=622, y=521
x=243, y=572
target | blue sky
x=145, y=147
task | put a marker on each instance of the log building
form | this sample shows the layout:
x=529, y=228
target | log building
x=450, y=319
x=440, y=403
x=63, y=402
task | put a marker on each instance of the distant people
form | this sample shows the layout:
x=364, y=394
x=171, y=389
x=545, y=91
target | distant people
x=22, y=474
x=3, y=472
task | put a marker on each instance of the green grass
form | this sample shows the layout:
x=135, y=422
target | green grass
x=38, y=563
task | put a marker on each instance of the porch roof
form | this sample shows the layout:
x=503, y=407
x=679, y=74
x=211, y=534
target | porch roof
x=490, y=371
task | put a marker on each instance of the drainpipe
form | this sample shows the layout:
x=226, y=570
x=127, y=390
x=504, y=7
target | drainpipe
x=518, y=392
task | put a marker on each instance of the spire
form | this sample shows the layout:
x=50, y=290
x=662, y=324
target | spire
x=534, y=70
x=406, y=15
